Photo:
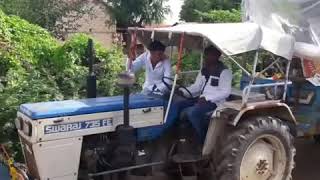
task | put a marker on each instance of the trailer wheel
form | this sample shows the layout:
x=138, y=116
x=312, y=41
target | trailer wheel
x=260, y=148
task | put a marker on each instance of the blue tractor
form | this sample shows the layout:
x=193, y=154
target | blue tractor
x=250, y=136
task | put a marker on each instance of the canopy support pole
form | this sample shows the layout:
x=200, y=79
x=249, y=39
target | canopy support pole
x=264, y=70
x=176, y=76
x=243, y=69
x=286, y=81
x=245, y=99
x=202, y=52
x=133, y=49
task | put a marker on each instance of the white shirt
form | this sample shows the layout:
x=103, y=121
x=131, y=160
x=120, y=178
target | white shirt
x=153, y=76
x=215, y=94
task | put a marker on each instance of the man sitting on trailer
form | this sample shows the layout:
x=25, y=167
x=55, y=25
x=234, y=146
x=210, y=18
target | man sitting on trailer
x=156, y=65
x=212, y=86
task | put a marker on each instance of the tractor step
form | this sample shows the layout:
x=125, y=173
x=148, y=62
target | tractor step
x=154, y=176
x=91, y=175
x=186, y=158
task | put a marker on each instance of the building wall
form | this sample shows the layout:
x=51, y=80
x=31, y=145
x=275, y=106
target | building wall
x=95, y=23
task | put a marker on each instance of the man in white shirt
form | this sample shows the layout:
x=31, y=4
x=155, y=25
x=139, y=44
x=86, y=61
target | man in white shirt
x=212, y=86
x=156, y=65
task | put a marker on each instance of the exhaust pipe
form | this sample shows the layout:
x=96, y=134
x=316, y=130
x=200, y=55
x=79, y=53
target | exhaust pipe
x=91, y=78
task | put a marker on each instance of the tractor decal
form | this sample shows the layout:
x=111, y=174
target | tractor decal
x=51, y=129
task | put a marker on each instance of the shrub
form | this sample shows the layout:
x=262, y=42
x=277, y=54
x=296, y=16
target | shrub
x=35, y=67
x=220, y=16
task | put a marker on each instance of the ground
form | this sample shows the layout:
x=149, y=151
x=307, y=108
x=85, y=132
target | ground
x=307, y=160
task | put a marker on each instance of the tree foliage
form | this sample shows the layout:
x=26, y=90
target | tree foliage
x=35, y=67
x=136, y=13
x=49, y=14
x=191, y=8
x=220, y=16
x=213, y=11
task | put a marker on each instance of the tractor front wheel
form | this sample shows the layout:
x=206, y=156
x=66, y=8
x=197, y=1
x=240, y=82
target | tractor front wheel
x=260, y=148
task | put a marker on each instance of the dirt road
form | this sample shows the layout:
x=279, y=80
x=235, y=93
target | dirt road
x=307, y=160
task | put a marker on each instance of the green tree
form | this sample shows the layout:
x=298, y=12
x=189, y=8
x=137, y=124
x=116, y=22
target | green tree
x=191, y=8
x=220, y=16
x=136, y=13
x=49, y=14
x=214, y=11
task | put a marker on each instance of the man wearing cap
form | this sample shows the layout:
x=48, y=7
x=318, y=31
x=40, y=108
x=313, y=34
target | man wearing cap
x=156, y=65
x=212, y=86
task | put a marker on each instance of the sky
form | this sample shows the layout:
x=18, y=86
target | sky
x=175, y=6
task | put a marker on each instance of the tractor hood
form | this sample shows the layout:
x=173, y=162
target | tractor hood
x=54, y=109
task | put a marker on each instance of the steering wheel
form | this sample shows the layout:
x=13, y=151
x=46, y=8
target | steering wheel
x=178, y=86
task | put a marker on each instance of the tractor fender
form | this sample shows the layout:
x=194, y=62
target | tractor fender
x=277, y=109
x=216, y=128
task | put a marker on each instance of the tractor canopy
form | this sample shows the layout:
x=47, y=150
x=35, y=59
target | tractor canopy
x=230, y=38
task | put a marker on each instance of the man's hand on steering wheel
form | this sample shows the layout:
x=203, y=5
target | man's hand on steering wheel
x=178, y=90
x=202, y=101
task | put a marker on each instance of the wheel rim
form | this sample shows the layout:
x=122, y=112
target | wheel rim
x=265, y=159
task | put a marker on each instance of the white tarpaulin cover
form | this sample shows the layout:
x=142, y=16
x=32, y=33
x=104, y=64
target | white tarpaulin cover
x=231, y=38
x=299, y=18
x=307, y=51
x=277, y=43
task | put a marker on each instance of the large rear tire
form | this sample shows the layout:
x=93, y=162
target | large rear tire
x=260, y=148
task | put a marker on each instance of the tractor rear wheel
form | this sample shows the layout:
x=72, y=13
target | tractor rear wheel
x=260, y=148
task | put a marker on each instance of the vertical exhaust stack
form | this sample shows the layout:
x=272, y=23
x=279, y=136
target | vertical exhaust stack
x=126, y=138
x=126, y=80
x=91, y=79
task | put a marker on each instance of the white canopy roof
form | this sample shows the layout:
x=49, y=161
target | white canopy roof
x=230, y=38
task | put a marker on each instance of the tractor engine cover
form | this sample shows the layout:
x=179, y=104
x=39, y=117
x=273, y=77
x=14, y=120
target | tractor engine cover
x=52, y=133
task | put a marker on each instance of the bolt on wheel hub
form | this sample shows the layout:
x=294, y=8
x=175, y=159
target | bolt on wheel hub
x=264, y=160
x=262, y=167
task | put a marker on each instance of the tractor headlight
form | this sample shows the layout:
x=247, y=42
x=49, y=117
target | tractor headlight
x=27, y=128
x=24, y=126
x=19, y=123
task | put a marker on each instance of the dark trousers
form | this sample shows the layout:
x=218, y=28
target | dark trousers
x=197, y=114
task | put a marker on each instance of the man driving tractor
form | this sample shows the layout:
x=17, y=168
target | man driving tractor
x=212, y=86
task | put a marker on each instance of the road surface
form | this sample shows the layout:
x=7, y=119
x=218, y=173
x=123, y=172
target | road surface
x=307, y=160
